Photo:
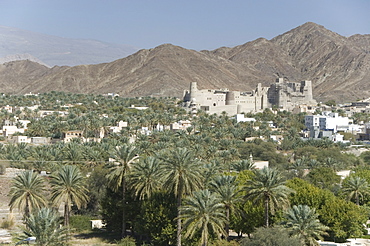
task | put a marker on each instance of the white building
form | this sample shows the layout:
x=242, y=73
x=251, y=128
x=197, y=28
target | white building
x=180, y=125
x=20, y=139
x=120, y=125
x=242, y=118
x=10, y=130
x=327, y=121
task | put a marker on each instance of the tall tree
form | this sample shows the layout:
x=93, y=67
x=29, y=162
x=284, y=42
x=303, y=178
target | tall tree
x=356, y=187
x=26, y=192
x=226, y=189
x=181, y=174
x=124, y=157
x=303, y=222
x=203, y=212
x=68, y=186
x=145, y=177
x=268, y=186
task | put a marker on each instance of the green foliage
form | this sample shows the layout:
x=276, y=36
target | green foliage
x=249, y=217
x=96, y=184
x=45, y=226
x=324, y=177
x=331, y=102
x=268, y=187
x=349, y=136
x=127, y=241
x=273, y=236
x=223, y=243
x=68, y=187
x=226, y=189
x=111, y=209
x=156, y=219
x=112, y=206
x=145, y=178
x=366, y=157
x=81, y=222
x=216, y=140
x=7, y=223
x=345, y=219
x=303, y=222
x=26, y=192
x=355, y=188
x=265, y=151
x=307, y=194
x=203, y=214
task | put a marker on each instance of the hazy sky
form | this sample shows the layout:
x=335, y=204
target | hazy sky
x=192, y=24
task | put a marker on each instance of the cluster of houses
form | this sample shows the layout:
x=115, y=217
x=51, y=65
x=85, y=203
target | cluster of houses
x=281, y=95
x=14, y=130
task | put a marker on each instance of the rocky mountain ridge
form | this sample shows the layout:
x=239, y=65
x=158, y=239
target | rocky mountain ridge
x=339, y=68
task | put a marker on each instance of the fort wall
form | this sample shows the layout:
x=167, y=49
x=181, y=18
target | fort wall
x=282, y=94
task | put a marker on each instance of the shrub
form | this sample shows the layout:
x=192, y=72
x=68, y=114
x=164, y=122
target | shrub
x=127, y=241
x=7, y=223
x=272, y=236
x=224, y=243
x=2, y=169
x=80, y=222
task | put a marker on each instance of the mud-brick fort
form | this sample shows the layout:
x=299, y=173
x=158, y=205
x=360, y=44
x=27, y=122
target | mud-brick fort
x=281, y=94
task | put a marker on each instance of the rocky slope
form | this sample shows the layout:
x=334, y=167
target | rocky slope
x=339, y=68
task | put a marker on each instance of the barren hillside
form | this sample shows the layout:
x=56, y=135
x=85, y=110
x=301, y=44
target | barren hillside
x=338, y=66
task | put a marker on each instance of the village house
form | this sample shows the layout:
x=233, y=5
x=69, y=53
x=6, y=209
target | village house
x=68, y=136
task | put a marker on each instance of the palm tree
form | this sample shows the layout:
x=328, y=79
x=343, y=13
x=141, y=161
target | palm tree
x=145, y=177
x=26, y=192
x=228, y=192
x=267, y=186
x=210, y=170
x=68, y=186
x=356, y=187
x=298, y=167
x=242, y=165
x=181, y=174
x=73, y=152
x=303, y=222
x=44, y=226
x=41, y=157
x=203, y=212
x=124, y=157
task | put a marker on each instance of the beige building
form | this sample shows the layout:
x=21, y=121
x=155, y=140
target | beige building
x=232, y=102
x=69, y=135
x=282, y=94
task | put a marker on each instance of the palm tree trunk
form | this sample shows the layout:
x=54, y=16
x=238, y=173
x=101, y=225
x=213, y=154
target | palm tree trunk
x=267, y=211
x=123, y=233
x=227, y=229
x=178, y=220
x=66, y=214
x=357, y=200
x=205, y=243
x=27, y=208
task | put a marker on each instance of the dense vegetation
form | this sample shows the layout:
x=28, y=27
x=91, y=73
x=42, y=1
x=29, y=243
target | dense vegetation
x=186, y=187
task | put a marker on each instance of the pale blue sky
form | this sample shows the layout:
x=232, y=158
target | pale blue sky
x=192, y=24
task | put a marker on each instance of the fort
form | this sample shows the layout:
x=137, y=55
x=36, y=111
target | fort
x=281, y=94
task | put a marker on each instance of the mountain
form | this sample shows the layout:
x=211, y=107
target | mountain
x=20, y=57
x=52, y=50
x=339, y=68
